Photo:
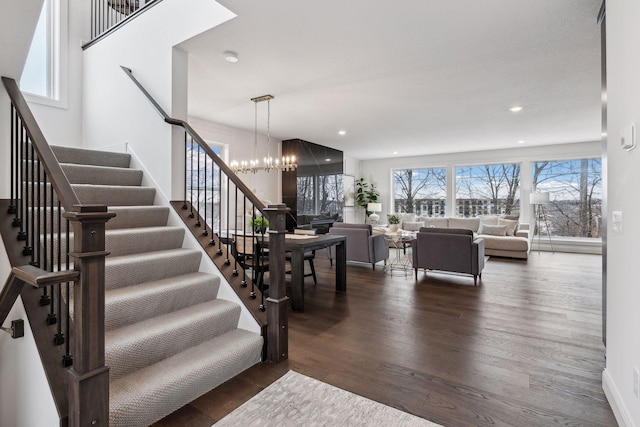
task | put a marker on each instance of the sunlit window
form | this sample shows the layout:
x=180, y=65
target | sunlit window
x=42, y=73
x=575, y=196
x=488, y=190
x=421, y=191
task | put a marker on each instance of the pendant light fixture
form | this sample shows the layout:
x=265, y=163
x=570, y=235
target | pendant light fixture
x=288, y=163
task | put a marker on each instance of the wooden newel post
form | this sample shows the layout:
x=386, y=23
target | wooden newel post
x=88, y=377
x=278, y=302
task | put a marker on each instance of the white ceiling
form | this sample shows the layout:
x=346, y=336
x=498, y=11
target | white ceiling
x=414, y=76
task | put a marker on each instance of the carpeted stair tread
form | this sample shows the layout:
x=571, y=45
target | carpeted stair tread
x=129, y=270
x=136, y=303
x=138, y=216
x=127, y=241
x=142, y=344
x=151, y=393
x=101, y=175
x=91, y=157
x=114, y=195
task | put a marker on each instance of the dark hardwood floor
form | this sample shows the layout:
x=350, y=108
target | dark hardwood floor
x=521, y=349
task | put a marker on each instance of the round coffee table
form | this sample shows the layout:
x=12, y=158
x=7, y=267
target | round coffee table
x=400, y=262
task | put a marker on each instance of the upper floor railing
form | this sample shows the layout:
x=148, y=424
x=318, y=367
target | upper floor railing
x=107, y=15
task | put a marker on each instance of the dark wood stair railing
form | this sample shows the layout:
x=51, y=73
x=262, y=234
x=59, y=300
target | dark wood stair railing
x=72, y=357
x=206, y=174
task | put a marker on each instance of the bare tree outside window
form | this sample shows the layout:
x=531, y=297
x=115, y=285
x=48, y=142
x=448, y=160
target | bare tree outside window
x=421, y=191
x=320, y=194
x=204, y=188
x=575, y=196
x=488, y=190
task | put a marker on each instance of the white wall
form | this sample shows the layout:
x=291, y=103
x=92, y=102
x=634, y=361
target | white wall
x=25, y=397
x=353, y=214
x=239, y=143
x=61, y=122
x=379, y=172
x=17, y=23
x=115, y=111
x=623, y=283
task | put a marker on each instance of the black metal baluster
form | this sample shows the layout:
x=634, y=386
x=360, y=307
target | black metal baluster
x=252, y=294
x=12, y=204
x=67, y=359
x=59, y=337
x=52, y=317
x=22, y=235
x=186, y=153
x=28, y=227
x=198, y=193
x=206, y=157
x=35, y=212
x=191, y=214
x=220, y=216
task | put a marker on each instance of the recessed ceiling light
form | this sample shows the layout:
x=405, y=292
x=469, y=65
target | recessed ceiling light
x=515, y=109
x=394, y=153
x=230, y=56
x=342, y=132
x=327, y=160
x=521, y=141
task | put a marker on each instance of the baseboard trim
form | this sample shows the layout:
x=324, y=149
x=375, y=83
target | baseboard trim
x=623, y=417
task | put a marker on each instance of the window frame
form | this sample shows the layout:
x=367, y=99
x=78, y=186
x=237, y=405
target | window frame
x=454, y=168
x=394, y=207
x=57, y=57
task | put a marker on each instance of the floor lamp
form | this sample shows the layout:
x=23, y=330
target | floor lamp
x=538, y=200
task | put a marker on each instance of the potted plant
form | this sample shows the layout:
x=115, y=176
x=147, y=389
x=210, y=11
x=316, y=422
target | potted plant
x=366, y=193
x=259, y=224
x=393, y=220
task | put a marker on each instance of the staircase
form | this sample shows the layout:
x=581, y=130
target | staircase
x=169, y=339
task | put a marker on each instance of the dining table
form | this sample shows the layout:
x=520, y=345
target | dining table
x=297, y=245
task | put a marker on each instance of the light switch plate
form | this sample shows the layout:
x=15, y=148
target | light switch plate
x=616, y=221
x=628, y=138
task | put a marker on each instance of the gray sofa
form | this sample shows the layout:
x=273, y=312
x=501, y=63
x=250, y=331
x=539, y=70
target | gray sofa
x=448, y=249
x=362, y=246
x=502, y=236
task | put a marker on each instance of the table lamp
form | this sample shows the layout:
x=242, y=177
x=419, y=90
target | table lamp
x=374, y=207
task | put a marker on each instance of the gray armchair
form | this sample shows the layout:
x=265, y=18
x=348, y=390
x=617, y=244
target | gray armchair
x=362, y=246
x=448, y=249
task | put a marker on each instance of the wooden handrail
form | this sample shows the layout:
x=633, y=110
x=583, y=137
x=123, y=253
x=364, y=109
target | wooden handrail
x=193, y=134
x=80, y=392
x=68, y=198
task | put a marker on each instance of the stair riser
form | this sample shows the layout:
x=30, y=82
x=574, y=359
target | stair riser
x=91, y=157
x=136, y=401
x=121, y=272
x=77, y=174
x=41, y=195
x=175, y=333
x=130, y=305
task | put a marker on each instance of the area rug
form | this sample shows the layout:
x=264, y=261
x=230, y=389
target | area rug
x=297, y=400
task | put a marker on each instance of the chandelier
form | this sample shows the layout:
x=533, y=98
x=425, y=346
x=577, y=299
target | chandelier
x=253, y=165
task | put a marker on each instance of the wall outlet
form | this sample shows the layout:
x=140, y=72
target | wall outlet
x=636, y=383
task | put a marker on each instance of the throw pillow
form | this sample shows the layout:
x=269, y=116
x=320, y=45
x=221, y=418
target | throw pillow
x=408, y=217
x=489, y=220
x=493, y=230
x=512, y=225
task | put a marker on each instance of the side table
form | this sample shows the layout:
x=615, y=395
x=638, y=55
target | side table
x=400, y=262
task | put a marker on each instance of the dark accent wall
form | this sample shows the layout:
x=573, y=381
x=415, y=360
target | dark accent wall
x=311, y=159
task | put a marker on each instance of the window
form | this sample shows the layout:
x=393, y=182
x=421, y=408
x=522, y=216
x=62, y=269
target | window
x=320, y=194
x=42, y=76
x=488, y=190
x=575, y=196
x=420, y=191
x=203, y=189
